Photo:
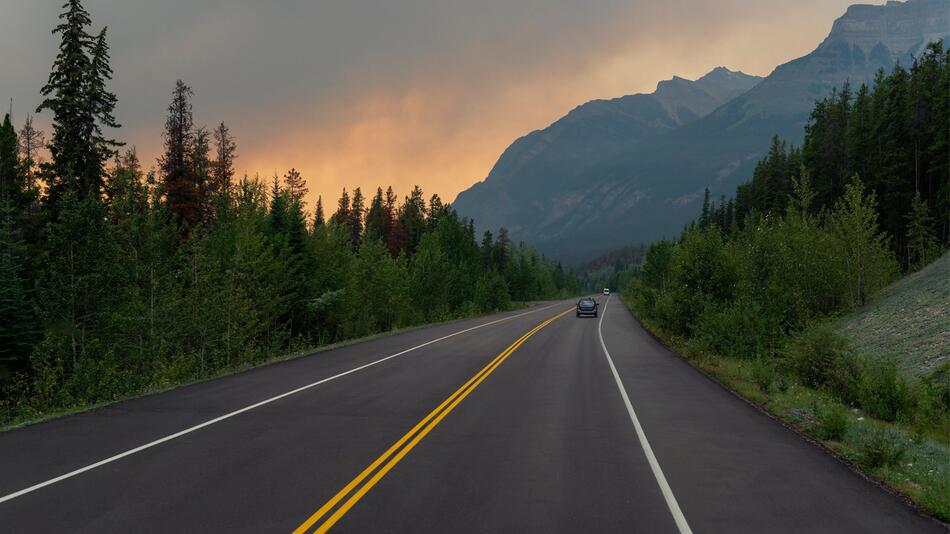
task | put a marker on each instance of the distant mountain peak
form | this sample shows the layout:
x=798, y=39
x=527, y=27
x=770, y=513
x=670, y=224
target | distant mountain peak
x=902, y=27
x=716, y=76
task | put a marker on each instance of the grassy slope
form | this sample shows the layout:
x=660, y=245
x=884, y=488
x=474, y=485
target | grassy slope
x=909, y=321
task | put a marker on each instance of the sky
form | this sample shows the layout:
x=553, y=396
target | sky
x=367, y=93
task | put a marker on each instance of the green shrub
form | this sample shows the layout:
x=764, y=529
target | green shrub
x=881, y=447
x=739, y=329
x=781, y=382
x=940, y=384
x=820, y=358
x=881, y=392
x=930, y=402
x=831, y=422
x=491, y=293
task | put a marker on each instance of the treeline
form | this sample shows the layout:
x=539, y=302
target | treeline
x=613, y=269
x=116, y=280
x=893, y=135
x=814, y=234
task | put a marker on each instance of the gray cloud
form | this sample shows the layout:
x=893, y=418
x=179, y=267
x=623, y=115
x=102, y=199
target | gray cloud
x=425, y=91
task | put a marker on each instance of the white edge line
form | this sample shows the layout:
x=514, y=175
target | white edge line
x=210, y=422
x=647, y=450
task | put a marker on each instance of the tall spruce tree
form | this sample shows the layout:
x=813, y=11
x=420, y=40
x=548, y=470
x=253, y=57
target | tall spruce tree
x=296, y=186
x=376, y=217
x=10, y=169
x=318, y=217
x=76, y=93
x=222, y=173
x=394, y=235
x=342, y=215
x=412, y=220
x=356, y=218
x=183, y=187
x=921, y=245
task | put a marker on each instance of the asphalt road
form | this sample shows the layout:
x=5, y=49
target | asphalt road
x=500, y=427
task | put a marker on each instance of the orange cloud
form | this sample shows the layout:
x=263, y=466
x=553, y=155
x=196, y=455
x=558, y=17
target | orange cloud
x=441, y=120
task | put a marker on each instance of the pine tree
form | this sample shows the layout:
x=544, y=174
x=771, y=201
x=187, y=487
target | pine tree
x=102, y=101
x=279, y=209
x=376, y=217
x=200, y=166
x=394, y=236
x=76, y=94
x=705, y=216
x=31, y=141
x=412, y=220
x=183, y=189
x=11, y=185
x=296, y=186
x=487, y=251
x=356, y=218
x=222, y=172
x=502, y=253
x=921, y=245
x=436, y=210
x=342, y=215
x=318, y=217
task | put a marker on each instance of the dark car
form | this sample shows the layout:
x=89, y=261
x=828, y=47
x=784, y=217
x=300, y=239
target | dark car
x=587, y=306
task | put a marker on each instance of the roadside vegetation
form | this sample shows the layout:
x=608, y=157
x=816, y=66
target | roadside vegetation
x=780, y=291
x=115, y=280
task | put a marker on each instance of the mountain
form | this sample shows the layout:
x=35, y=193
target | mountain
x=633, y=169
x=534, y=181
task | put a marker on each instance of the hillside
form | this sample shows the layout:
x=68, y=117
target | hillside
x=583, y=186
x=908, y=321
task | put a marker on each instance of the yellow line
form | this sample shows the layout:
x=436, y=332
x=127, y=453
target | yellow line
x=426, y=425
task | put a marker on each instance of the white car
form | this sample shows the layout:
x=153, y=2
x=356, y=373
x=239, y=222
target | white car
x=606, y=292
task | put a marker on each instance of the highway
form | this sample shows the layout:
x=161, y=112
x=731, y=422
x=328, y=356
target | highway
x=525, y=421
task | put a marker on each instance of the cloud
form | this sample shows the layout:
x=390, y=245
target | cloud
x=377, y=92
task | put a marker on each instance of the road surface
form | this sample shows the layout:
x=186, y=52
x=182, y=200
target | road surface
x=518, y=422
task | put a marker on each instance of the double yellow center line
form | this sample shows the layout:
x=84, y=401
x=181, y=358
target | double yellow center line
x=372, y=474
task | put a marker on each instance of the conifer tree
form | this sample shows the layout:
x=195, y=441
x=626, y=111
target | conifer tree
x=436, y=210
x=394, y=235
x=10, y=170
x=318, y=217
x=356, y=218
x=102, y=101
x=921, y=245
x=31, y=141
x=183, y=188
x=376, y=217
x=296, y=186
x=502, y=253
x=412, y=220
x=222, y=172
x=76, y=93
x=487, y=251
x=342, y=215
x=704, y=218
